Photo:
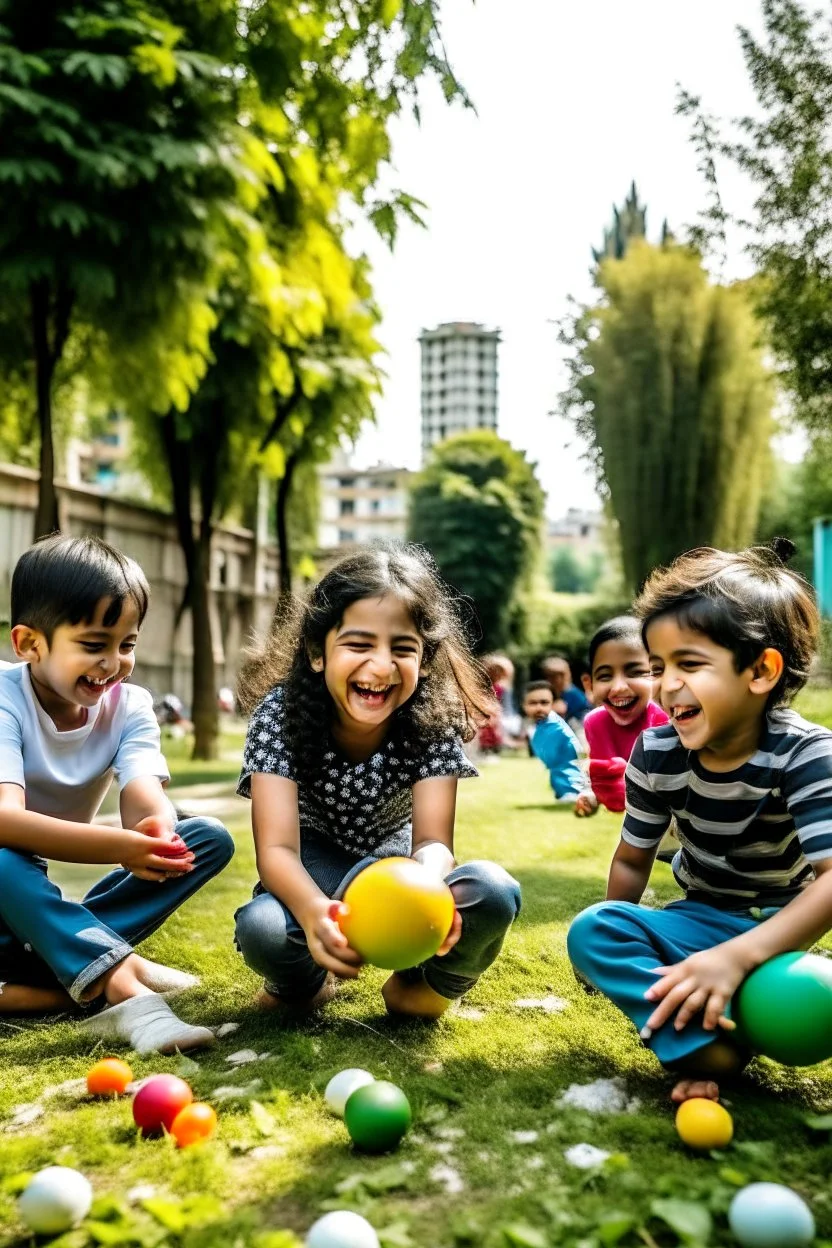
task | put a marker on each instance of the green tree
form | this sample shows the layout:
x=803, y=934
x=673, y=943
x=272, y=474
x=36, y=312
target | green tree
x=120, y=141
x=290, y=366
x=628, y=223
x=478, y=507
x=785, y=148
x=669, y=389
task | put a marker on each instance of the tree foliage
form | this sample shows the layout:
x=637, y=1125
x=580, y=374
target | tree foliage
x=785, y=149
x=119, y=156
x=478, y=507
x=669, y=389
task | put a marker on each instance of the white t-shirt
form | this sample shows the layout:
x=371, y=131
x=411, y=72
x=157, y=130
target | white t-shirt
x=67, y=774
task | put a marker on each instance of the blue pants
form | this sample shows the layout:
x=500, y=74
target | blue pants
x=616, y=945
x=45, y=938
x=274, y=944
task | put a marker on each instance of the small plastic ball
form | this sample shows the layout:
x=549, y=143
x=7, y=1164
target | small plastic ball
x=341, y=1087
x=397, y=913
x=704, y=1124
x=56, y=1199
x=194, y=1123
x=176, y=848
x=109, y=1076
x=784, y=1009
x=377, y=1116
x=341, y=1229
x=158, y=1101
x=768, y=1215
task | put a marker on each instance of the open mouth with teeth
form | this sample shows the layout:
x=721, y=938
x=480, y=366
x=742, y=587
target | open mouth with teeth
x=683, y=714
x=373, y=695
x=622, y=705
x=97, y=686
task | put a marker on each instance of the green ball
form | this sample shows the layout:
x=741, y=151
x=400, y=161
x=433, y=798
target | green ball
x=784, y=1009
x=377, y=1116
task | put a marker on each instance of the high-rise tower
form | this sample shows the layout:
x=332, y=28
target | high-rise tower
x=459, y=380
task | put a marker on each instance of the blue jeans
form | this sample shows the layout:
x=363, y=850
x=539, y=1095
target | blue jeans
x=45, y=938
x=616, y=945
x=273, y=943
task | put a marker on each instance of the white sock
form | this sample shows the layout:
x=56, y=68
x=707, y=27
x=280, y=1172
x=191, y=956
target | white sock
x=166, y=980
x=148, y=1025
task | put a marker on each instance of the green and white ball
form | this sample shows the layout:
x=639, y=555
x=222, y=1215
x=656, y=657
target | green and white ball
x=56, y=1199
x=341, y=1087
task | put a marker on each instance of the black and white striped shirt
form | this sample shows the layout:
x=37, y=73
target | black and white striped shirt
x=750, y=835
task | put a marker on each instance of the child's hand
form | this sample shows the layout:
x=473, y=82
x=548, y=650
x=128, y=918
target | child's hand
x=327, y=943
x=587, y=804
x=156, y=825
x=141, y=857
x=705, y=981
x=452, y=937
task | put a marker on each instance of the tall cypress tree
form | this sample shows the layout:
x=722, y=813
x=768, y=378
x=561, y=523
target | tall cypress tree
x=669, y=388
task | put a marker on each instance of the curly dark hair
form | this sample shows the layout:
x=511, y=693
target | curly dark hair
x=453, y=694
x=745, y=601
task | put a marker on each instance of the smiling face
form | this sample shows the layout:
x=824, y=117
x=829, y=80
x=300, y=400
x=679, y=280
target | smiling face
x=621, y=679
x=715, y=709
x=73, y=671
x=538, y=704
x=371, y=664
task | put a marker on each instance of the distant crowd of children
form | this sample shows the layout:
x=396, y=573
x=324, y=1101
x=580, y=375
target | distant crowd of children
x=360, y=704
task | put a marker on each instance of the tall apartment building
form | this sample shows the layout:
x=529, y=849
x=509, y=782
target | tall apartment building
x=459, y=380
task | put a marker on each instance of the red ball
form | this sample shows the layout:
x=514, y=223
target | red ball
x=158, y=1101
x=172, y=849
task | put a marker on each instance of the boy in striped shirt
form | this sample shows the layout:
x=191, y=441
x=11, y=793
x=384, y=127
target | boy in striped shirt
x=731, y=638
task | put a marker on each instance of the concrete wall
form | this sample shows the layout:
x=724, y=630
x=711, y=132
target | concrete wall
x=244, y=575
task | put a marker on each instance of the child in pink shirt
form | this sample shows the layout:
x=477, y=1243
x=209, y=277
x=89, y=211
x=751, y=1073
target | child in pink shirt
x=620, y=685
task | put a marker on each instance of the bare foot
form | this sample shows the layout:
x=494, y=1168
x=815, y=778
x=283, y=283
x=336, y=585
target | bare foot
x=723, y=1058
x=25, y=999
x=687, y=1089
x=266, y=1000
x=415, y=1000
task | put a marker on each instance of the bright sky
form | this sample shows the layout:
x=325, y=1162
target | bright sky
x=574, y=100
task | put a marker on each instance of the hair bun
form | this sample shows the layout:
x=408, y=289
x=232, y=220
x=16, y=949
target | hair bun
x=783, y=548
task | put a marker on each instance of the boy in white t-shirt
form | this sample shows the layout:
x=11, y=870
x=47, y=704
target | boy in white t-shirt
x=68, y=724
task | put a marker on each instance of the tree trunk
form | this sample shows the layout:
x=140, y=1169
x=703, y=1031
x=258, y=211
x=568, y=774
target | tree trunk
x=284, y=571
x=46, y=514
x=205, y=712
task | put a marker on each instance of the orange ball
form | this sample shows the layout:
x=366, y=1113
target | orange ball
x=109, y=1076
x=194, y=1123
x=398, y=913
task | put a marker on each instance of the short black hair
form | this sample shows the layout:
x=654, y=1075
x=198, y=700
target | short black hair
x=62, y=579
x=534, y=685
x=621, y=628
x=744, y=601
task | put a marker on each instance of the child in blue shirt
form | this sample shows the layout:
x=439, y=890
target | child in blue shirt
x=554, y=743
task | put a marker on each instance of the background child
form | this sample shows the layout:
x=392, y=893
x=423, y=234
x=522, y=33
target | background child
x=68, y=722
x=620, y=684
x=570, y=703
x=731, y=638
x=491, y=736
x=353, y=754
x=554, y=743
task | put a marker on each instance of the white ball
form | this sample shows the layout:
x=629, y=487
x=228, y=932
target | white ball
x=342, y=1229
x=341, y=1087
x=56, y=1199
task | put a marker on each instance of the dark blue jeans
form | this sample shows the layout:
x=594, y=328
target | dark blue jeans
x=273, y=943
x=45, y=938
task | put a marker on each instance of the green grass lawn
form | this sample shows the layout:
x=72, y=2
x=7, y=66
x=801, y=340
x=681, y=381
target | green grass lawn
x=484, y=1163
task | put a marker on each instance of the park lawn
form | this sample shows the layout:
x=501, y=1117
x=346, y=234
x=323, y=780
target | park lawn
x=484, y=1163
